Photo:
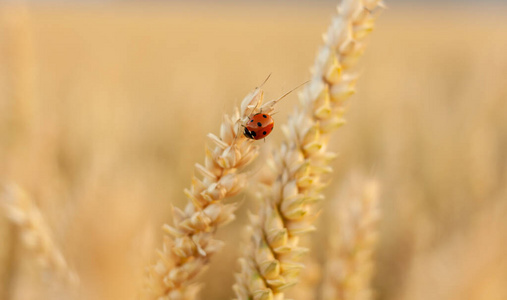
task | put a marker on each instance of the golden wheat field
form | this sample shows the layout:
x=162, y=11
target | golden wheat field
x=105, y=110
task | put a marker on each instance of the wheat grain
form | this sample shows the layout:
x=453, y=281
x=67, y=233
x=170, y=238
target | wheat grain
x=349, y=263
x=189, y=243
x=271, y=261
x=35, y=234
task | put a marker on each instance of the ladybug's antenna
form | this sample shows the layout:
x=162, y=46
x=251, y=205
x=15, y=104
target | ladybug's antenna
x=286, y=94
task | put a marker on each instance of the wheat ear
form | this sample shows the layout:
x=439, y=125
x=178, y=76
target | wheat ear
x=189, y=243
x=35, y=234
x=271, y=260
x=349, y=264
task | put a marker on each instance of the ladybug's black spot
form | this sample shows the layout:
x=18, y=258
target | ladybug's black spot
x=264, y=116
x=252, y=133
x=259, y=124
x=251, y=121
x=264, y=132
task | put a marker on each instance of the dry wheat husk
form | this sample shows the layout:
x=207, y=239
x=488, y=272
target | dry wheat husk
x=189, y=242
x=271, y=261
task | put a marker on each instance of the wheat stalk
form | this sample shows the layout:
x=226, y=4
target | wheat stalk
x=189, y=243
x=271, y=260
x=349, y=263
x=35, y=234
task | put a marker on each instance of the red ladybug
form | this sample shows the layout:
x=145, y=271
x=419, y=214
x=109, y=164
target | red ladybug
x=259, y=126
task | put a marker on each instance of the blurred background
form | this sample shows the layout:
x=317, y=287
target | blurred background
x=104, y=108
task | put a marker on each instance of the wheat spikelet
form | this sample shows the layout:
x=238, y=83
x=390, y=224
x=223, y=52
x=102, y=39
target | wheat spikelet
x=35, y=234
x=307, y=287
x=349, y=263
x=189, y=243
x=271, y=260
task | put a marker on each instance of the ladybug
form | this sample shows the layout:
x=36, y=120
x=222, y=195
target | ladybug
x=259, y=126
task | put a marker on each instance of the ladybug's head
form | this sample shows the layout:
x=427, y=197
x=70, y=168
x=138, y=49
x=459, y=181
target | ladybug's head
x=248, y=134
